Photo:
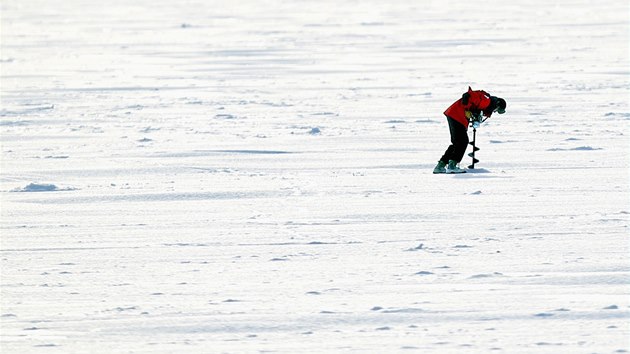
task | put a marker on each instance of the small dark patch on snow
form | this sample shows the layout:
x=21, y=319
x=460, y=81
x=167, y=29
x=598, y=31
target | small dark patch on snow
x=424, y=121
x=313, y=293
x=480, y=276
x=417, y=248
x=315, y=131
x=419, y=94
x=376, y=308
x=34, y=187
x=224, y=116
x=611, y=307
x=622, y=115
x=181, y=244
x=543, y=314
x=579, y=148
x=121, y=309
x=252, y=152
x=383, y=328
x=404, y=310
x=149, y=129
x=424, y=272
x=41, y=187
x=585, y=148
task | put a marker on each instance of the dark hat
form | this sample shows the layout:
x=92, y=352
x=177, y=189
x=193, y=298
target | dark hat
x=497, y=104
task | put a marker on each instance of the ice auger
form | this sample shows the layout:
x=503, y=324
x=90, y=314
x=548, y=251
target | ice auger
x=475, y=148
x=479, y=119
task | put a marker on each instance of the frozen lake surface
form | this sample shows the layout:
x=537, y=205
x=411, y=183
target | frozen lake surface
x=256, y=176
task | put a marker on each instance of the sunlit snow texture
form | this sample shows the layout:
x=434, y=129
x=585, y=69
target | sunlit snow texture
x=256, y=176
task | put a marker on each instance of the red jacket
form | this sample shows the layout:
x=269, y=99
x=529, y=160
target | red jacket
x=477, y=101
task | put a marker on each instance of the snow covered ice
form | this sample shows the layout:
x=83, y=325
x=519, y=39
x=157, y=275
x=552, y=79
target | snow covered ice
x=256, y=176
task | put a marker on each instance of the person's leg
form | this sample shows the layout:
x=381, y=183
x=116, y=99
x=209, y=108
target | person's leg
x=447, y=154
x=459, y=139
x=459, y=142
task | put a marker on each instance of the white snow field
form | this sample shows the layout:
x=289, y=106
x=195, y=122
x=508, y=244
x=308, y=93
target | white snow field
x=256, y=176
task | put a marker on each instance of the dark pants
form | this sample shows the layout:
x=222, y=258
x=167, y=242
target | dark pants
x=459, y=141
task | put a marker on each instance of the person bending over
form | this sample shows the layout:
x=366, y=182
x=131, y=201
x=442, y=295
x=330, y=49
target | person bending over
x=466, y=110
